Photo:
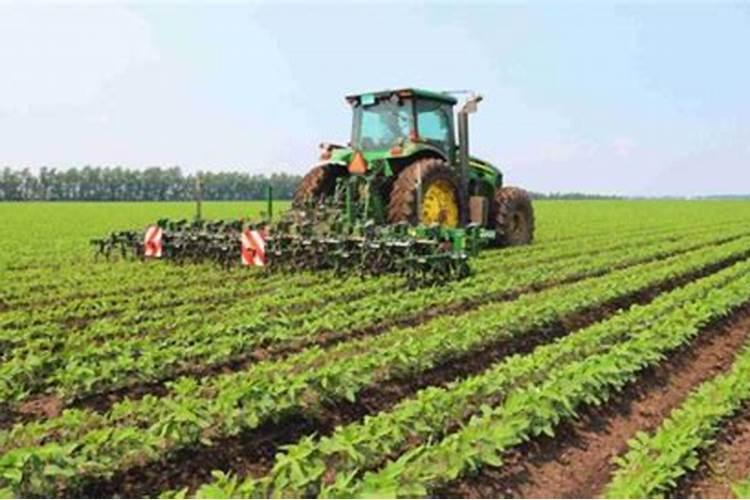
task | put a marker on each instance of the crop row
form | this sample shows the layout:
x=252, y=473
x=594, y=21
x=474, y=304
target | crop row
x=84, y=367
x=656, y=461
x=538, y=408
x=67, y=286
x=192, y=309
x=111, y=314
x=156, y=292
x=166, y=294
x=87, y=444
x=124, y=306
x=320, y=466
x=120, y=292
x=568, y=220
x=63, y=284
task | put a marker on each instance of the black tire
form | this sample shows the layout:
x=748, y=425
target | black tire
x=402, y=206
x=318, y=183
x=513, y=215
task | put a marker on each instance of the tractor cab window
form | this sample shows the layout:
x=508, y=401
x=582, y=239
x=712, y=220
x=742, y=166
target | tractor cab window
x=381, y=125
x=434, y=123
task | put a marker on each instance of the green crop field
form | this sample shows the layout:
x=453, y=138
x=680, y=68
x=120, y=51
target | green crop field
x=609, y=358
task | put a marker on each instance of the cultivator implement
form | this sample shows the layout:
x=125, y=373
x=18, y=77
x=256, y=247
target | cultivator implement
x=179, y=241
x=422, y=255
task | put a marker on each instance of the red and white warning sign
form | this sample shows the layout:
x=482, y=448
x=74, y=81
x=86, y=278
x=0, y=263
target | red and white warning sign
x=152, y=242
x=253, y=248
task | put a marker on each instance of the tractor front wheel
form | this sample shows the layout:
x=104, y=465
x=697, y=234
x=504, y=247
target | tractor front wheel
x=513, y=216
x=441, y=199
x=318, y=183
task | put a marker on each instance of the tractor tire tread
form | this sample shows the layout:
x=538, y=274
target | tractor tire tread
x=507, y=200
x=402, y=206
x=317, y=183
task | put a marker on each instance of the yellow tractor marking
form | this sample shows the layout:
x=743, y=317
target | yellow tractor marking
x=439, y=205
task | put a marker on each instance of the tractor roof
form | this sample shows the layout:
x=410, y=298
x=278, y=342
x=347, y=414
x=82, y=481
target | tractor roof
x=408, y=92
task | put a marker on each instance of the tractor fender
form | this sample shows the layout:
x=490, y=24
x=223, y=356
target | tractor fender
x=416, y=150
x=326, y=162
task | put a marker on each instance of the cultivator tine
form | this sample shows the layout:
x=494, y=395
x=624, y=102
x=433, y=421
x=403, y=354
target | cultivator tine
x=423, y=256
x=431, y=262
x=119, y=242
x=381, y=257
x=427, y=260
x=181, y=242
x=99, y=245
x=346, y=257
x=373, y=260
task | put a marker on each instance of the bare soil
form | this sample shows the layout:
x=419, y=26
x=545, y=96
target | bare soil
x=104, y=400
x=252, y=453
x=240, y=454
x=725, y=463
x=43, y=406
x=577, y=462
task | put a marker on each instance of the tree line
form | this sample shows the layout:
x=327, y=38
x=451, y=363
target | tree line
x=172, y=184
x=574, y=196
x=152, y=184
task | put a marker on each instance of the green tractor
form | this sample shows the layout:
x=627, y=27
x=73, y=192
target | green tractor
x=404, y=197
x=406, y=164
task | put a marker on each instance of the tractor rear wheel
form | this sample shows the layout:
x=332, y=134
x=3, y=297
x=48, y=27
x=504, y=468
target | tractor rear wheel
x=442, y=201
x=318, y=183
x=513, y=216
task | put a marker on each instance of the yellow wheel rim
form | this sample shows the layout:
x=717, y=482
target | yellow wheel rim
x=439, y=204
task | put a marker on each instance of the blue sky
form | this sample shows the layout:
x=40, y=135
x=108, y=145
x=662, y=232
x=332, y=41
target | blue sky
x=650, y=98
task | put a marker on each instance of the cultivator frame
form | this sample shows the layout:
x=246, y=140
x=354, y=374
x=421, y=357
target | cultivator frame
x=316, y=238
x=423, y=255
x=181, y=242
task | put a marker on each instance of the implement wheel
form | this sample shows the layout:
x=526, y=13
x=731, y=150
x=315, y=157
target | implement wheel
x=442, y=202
x=513, y=216
x=318, y=183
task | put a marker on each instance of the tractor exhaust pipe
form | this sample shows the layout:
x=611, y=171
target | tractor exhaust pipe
x=470, y=106
x=198, y=198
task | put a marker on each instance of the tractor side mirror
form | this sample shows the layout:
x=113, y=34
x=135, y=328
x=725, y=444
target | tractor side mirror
x=470, y=106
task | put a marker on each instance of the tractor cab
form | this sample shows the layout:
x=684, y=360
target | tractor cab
x=391, y=121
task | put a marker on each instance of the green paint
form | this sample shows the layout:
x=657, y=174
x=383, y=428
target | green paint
x=386, y=131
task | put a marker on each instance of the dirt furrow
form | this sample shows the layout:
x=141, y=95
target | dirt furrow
x=252, y=452
x=725, y=463
x=104, y=400
x=181, y=468
x=577, y=462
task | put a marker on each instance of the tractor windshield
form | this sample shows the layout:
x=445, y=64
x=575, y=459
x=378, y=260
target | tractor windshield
x=381, y=125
